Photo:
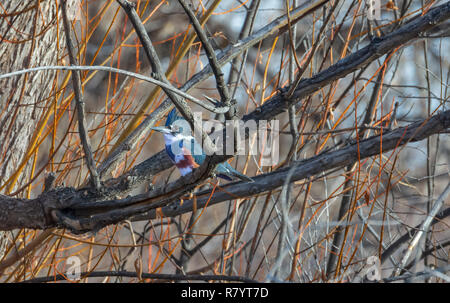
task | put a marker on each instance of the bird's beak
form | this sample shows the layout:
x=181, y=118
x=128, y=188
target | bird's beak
x=161, y=129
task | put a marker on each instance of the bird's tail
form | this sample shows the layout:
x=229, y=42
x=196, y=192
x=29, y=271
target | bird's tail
x=226, y=169
x=242, y=176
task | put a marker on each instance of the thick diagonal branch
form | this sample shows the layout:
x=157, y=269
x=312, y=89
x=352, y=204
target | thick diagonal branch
x=77, y=208
x=316, y=165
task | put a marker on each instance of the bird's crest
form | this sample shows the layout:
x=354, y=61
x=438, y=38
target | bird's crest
x=177, y=122
x=171, y=117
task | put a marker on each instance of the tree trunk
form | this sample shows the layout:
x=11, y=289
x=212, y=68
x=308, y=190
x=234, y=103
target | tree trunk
x=28, y=38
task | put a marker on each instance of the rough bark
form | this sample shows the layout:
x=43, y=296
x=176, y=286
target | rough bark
x=28, y=39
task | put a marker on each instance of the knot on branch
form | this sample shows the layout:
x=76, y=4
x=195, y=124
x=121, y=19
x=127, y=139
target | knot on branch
x=59, y=198
x=55, y=200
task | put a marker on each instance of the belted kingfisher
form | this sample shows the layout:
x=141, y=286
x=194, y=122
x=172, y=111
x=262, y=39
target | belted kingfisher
x=186, y=153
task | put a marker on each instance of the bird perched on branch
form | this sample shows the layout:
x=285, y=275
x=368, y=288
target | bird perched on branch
x=186, y=153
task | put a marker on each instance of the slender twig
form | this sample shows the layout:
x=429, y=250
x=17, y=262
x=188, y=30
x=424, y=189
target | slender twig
x=130, y=274
x=429, y=168
x=205, y=241
x=187, y=243
x=235, y=75
x=215, y=66
x=278, y=269
x=313, y=50
x=423, y=228
x=431, y=251
x=338, y=239
x=234, y=80
x=394, y=246
x=292, y=154
x=168, y=86
x=76, y=82
x=285, y=226
x=212, y=59
x=423, y=274
x=158, y=73
x=338, y=131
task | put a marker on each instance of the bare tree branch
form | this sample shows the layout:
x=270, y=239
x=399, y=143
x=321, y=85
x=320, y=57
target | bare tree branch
x=82, y=129
x=393, y=247
x=315, y=165
x=213, y=63
x=74, y=209
x=276, y=27
x=158, y=73
x=166, y=277
x=40, y=212
x=423, y=228
x=214, y=109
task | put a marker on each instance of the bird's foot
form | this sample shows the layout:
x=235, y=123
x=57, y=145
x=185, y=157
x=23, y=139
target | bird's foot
x=190, y=196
